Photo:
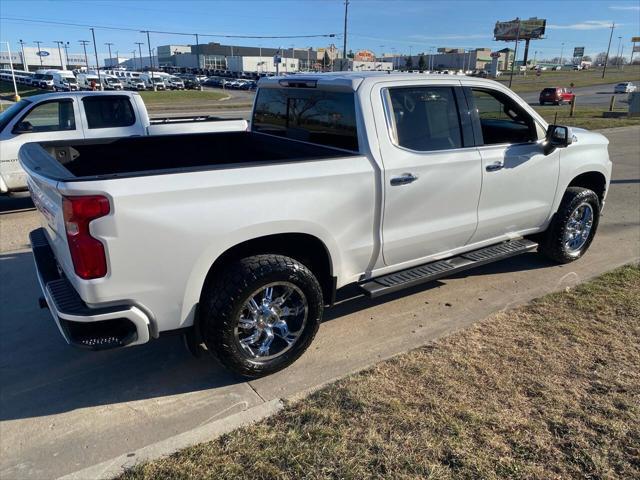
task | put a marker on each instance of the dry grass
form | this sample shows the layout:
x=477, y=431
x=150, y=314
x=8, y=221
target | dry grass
x=549, y=390
x=585, y=117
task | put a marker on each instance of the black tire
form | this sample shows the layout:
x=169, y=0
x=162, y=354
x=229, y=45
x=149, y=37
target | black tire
x=552, y=242
x=225, y=296
x=541, y=103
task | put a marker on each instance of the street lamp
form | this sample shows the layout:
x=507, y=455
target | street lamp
x=140, y=51
x=86, y=59
x=39, y=52
x=108, y=44
x=618, y=52
x=561, y=52
x=62, y=64
x=24, y=58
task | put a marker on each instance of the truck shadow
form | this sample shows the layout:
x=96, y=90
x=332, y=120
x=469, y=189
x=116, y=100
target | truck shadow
x=41, y=375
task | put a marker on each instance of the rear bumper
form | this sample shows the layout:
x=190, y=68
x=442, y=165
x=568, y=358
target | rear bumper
x=81, y=325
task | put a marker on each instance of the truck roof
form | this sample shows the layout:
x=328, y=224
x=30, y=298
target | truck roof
x=53, y=96
x=353, y=80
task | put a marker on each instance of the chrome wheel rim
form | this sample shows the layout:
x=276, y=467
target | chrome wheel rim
x=578, y=228
x=271, y=321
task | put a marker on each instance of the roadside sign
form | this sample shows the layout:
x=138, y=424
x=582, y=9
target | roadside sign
x=538, y=72
x=635, y=39
x=43, y=53
x=578, y=52
x=277, y=59
x=636, y=49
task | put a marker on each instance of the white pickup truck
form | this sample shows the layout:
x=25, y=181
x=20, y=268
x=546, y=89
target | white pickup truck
x=239, y=239
x=85, y=116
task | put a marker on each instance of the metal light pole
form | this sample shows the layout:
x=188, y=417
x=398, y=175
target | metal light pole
x=344, y=40
x=153, y=82
x=561, y=52
x=606, y=59
x=62, y=64
x=39, y=52
x=24, y=57
x=618, y=52
x=515, y=53
x=16, y=97
x=86, y=59
x=139, y=50
x=198, y=51
x=95, y=51
x=66, y=54
x=108, y=44
x=134, y=58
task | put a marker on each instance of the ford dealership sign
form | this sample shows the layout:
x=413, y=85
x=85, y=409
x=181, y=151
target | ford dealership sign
x=43, y=53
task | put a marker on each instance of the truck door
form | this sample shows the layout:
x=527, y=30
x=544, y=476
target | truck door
x=432, y=173
x=519, y=182
x=106, y=116
x=49, y=120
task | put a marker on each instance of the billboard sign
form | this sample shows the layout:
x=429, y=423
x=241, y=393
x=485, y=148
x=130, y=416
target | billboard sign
x=364, y=56
x=636, y=49
x=521, y=29
x=43, y=53
x=635, y=39
x=578, y=52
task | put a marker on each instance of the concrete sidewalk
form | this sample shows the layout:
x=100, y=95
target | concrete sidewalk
x=63, y=410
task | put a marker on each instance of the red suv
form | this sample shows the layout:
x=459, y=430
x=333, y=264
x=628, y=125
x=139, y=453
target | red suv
x=556, y=95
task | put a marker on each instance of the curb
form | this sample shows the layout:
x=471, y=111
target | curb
x=116, y=466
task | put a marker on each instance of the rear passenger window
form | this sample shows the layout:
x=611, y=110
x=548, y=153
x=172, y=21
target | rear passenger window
x=425, y=118
x=502, y=120
x=108, y=111
x=314, y=116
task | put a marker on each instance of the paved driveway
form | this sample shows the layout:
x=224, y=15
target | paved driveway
x=62, y=409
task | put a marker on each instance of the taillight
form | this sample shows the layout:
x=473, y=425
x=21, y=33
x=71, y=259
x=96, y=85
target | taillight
x=87, y=253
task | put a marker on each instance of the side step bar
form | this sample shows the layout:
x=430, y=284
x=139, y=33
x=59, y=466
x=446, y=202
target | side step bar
x=443, y=268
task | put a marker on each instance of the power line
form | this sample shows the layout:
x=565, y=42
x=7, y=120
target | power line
x=129, y=29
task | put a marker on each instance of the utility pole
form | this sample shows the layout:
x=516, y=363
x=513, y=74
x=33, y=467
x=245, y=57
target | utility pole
x=108, y=44
x=62, y=64
x=95, y=51
x=24, y=57
x=606, y=59
x=39, y=52
x=139, y=50
x=153, y=81
x=84, y=46
x=622, y=58
x=66, y=54
x=515, y=53
x=134, y=58
x=198, y=51
x=344, y=40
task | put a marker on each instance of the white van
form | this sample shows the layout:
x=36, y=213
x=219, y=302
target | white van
x=133, y=81
x=109, y=82
x=44, y=79
x=151, y=81
x=85, y=80
x=64, y=80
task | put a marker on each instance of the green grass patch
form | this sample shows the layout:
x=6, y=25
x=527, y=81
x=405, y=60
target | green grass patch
x=564, y=78
x=7, y=92
x=182, y=97
x=587, y=117
x=548, y=390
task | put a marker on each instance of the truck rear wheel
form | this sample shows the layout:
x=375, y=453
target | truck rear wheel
x=573, y=227
x=261, y=313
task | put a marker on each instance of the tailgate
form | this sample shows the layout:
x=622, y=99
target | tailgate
x=48, y=200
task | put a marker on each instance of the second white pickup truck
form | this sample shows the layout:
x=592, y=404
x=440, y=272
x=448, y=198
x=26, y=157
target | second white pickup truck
x=81, y=116
x=240, y=239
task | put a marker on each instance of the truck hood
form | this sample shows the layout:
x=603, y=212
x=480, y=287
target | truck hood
x=583, y=136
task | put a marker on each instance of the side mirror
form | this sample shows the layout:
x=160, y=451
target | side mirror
x=23, y=127
x=558, y=136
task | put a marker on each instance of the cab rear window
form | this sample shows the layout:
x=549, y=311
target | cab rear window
x=309, y=115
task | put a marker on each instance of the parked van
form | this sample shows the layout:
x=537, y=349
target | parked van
x=151, y=81
x=64, y=80
x=133, y=81
x=85, y=79
x=43, y=79
x=109, y=82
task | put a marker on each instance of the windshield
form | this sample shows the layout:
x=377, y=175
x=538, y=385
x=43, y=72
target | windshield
x=70, y=80
x=7, y=115
x=47, y=77
x=38, y=76
x=157, y=80
x=112, y=80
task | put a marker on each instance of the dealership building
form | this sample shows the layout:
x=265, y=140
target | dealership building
x=33, y=58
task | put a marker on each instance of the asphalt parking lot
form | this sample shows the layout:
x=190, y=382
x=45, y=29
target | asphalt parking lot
x=62, y=409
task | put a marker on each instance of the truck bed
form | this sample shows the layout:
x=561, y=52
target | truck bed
x=155, y=155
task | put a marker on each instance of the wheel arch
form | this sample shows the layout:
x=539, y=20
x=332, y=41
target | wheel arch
x=593, y=180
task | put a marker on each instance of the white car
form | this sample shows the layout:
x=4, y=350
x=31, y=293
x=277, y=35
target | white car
x=625, y=87
x=76, y=116
x=240, y=239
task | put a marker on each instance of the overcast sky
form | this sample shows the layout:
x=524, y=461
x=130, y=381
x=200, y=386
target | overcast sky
x=386, y=25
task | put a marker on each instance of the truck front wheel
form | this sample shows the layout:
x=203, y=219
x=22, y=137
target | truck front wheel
x=261, y=313
x=573, y=226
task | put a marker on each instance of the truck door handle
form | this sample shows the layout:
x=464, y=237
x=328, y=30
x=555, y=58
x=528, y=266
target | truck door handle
x=404, y=179
x=494, y=167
